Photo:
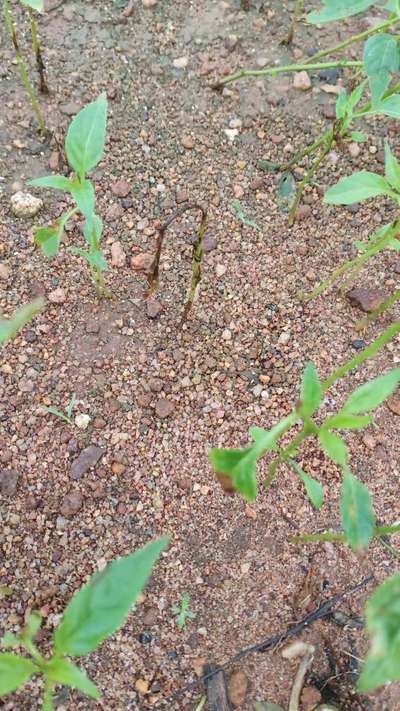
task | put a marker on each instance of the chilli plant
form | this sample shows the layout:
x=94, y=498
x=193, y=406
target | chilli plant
x=84, y=147
x=236, y=469
x=95, y=612
x=32, y=6
x=378, y=65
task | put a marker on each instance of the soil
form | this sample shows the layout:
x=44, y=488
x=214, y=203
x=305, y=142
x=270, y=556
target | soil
x=159, y=396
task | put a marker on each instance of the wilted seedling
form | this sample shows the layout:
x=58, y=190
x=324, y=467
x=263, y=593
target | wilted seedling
x=32, y=6
x=67, y=415
x=10, y=327
x=84, y=147
x=198, y=252
x=95, y=612
x=183, y=612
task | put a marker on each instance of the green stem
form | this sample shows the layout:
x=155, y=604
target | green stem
x=48, y=698
x=196, y=269
x=22, y=69
x=315, y=537
x=355, y=38
x=367, y=353
x=353, y=263
x=43, y=88
x=267, y=165
x=308, y=176
x=296, y=16
x=387, y=530
x=273, y=71
x=380, y=310
x=284, y=454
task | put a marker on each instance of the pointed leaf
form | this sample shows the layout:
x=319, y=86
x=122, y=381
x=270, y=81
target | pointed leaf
x=344, y=421
x=370, y=395
x=334, y=446
x=357, y=187
x=49, y=239
x=267, y=439
x=311, y=391
x=341, y=104
x=240, y=465
x=390, y=106
x=382, y=614
x=358, y=136
x=338, y=9
x=314, y=489
x=392, y=168
x=37, y=5
x=63, y=672
x=56, y=182
x=101, y=606
x=10, y=327
x=92, y=230
x=85, y=139
x=84, y=196
x=15, y=671
x=356, y=95
x=356, y=511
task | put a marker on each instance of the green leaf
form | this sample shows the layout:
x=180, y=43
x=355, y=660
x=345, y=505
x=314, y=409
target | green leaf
x=344, y=421
x=341, y=104
x=358, y=136
x=390, y=106
x=370, y=395
x=378, y=85
x=37, y=5
x=394, y=244
x=84, y=196
x=10, y=327
x=357, y=187
x=15, y=671
x=32, y=627
x=311, y=391
x=101, y=606
x=92, y=230
x=314, y=489
x=286, y=191
x=382, y=615
x=96, y=259
x=241, y=466
x=356, y=511
x=56, y=182
x=334, y=446
x=392, y=168
x=381, y=55
x=85, y=139
x=49, y=239
x=10, y=640
x=241, y=215
x=266, y=706
x=338, y=9
x=356, y=95
x=63, y=672
x=266, y=439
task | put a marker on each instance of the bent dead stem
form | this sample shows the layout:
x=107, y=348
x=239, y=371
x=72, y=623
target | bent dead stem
x=198, y=252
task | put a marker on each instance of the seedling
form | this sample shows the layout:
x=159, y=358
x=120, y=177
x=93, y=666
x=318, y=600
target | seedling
x=84, y=147
x=67, y=415
x=183, y=611
x=198, y=252
x=95, y=612
x=236, y=206
x=10, y=327
x=31, y=5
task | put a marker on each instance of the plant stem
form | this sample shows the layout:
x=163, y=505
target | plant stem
x=353, y=263
x=43, y=88
x=315, y=537
x=387, y=530
x=48, y=698
x=285, y=454
x=355, y=38
x=273, y=71
x=196, y=269
x=367, y=353
x=392, y=299
x=22, y=68
x=296, y=16
x=330, y=141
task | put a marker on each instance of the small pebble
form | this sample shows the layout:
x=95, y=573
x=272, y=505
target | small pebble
x=302, y=81
x=25, y=204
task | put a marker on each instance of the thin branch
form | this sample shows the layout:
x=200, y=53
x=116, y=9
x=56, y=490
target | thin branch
x=273, y=71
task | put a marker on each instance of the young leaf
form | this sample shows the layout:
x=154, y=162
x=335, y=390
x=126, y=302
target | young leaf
x=370, y=395
x=356, y=511
x=390, y=106
x=85, y=139
x=358, y=136
x=96, y=259
x=92, y=230
x=37, y=5
x=10, y=327
x=392, y=168
x=357, y=187
x=63, y=672
x=356, y=95
x=267, y=439
x=334, y=446
x=314, y=489
x=382, y=614
x=381, y=55
x=101, y=606
x=84, y=196
x=15, y=671
x=338, y=9
x=240, y=465
x=49, y=239
x=341, y=104
x=311, y=391
x=344, y=421
x=56, y=182
x=32, y=626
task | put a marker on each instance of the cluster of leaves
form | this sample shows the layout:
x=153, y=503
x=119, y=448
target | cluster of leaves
x=183, y=612
x=95, y=612
x=84, y=147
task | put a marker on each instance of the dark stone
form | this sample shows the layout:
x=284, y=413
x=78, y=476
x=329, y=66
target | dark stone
x=358, y=345
x=145, y=638
x=87, y=459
